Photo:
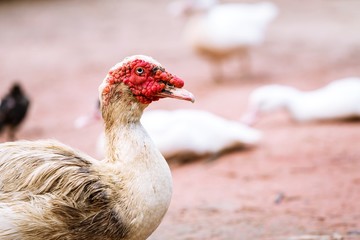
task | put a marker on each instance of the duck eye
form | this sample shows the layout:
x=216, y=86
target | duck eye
x=139, y=71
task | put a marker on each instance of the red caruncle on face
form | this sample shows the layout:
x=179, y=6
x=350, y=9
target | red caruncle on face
x=144, y=79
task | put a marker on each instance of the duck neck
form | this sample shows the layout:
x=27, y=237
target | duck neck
x=125, y=136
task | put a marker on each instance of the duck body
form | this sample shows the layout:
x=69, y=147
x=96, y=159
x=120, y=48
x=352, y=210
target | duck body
x=33, y=207
x=220, y=32
x=51, y=191
x=224, y=28
x=197, y=132
x=339, y=99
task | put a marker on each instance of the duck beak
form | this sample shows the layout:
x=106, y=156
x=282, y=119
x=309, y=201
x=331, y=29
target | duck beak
x=178, y=93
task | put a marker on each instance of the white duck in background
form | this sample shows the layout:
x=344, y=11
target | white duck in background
x=184, y=134
x=220, y=31
x=338, y=100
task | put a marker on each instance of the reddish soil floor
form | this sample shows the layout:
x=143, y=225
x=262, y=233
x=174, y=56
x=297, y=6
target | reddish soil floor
x=301, y=182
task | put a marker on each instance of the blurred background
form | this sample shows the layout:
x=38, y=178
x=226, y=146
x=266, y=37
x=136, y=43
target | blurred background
x=303, y=178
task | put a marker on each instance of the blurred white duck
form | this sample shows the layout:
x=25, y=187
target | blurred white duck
x=184, y=134
x=220, y=31
x=338, y=100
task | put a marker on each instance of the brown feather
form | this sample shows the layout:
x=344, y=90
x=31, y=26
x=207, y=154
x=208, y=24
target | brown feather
x=63, y=192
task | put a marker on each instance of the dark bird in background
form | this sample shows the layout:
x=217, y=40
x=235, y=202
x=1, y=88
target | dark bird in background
x=13, y=109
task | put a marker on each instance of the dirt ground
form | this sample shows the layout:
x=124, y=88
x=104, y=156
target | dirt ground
x=302, y=180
